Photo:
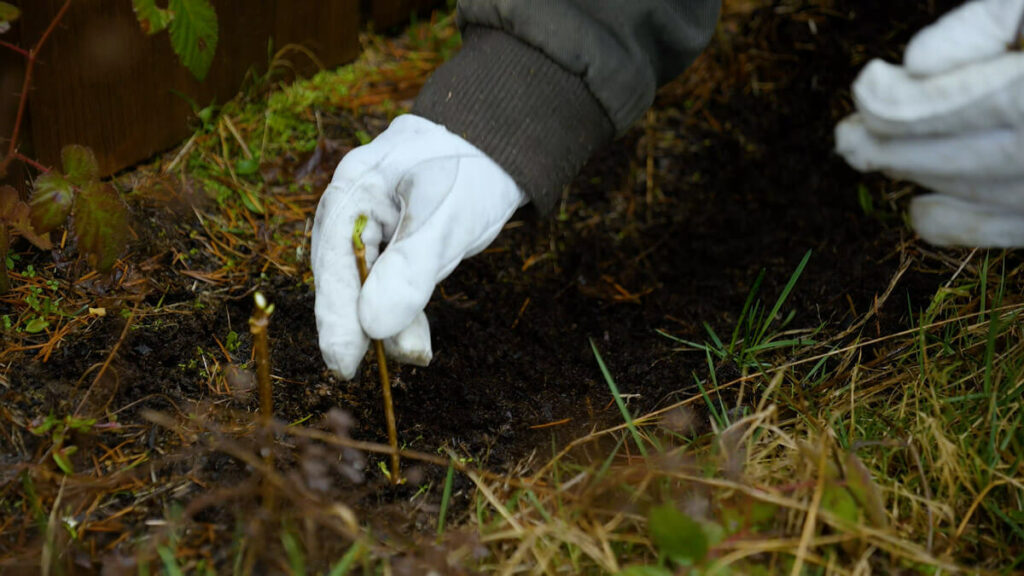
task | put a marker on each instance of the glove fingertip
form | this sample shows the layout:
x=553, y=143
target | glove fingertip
x=854, y=143
x=343, y=358
x=947, y=221
x=412, y=344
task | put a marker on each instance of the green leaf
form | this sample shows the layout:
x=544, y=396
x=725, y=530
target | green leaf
x=247, y=166
x=864, y=489
x=62, y=457
x=677, y=536
x=151, y=17
x=81, y=423
x=644, y=571
x=251, y=200
x=762, y=513
x=47, y=424
x=79, y=164
x=194, y=34
x=8, y=13
x=36, y=325
x=100, y=221
x=50, y=202
x=838, y=500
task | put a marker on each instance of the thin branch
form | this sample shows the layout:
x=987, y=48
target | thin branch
x=27, y=84
x=17, y=49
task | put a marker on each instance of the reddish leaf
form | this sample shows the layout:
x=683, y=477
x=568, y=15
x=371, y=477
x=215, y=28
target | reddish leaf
x=8, y=200
x=22, y=224
x=16, y=213
x=50, y=202
x=100, y=224
x=79, y=164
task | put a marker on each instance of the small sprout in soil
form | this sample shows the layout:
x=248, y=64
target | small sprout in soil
x=385, y=383
x=258, y=327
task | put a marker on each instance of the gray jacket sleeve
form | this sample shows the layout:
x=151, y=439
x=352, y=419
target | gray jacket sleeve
x=539, y=85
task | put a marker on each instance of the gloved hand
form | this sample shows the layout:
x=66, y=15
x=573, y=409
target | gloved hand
x=952, y=120
x=435, y=199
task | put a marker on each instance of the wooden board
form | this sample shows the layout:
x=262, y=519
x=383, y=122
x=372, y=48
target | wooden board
x=386, y=14
x=100, y=81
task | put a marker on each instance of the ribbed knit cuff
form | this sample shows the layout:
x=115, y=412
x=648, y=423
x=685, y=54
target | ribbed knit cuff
x=536, y=120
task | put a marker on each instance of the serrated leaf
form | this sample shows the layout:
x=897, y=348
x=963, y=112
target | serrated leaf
x=50, y=202
x=36, y=325
x=194, y=34
x=677, y=536
x=100, y=222
x=864, y=489
x=152, y=18
x=79, y=164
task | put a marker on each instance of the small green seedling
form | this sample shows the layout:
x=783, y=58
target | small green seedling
x=59, y=429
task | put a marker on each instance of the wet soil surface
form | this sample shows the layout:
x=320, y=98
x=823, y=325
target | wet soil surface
x=745, y=179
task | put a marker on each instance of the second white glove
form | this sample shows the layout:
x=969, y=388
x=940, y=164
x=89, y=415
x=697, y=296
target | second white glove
x=952, y=120
x=434, y=199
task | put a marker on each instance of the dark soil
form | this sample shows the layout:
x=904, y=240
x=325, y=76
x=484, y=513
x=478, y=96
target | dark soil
x=745, y=180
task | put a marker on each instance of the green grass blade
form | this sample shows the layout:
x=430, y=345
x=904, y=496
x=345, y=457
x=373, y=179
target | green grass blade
x=171, y=567
x=618, y=400
x=782, y=297
x=346, y=562
x=292, y=548
x=446, y=496
x=746, y=309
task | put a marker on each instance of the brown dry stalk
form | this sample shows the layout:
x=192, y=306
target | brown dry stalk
x=382, y=365
x=258, y=328
x=258, y=323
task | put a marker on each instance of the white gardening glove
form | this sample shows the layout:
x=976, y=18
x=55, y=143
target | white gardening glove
x=952, y=120
x=434, y=199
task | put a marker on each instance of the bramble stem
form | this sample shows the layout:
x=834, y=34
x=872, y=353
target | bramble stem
x=30, y=62
x=14, y=48
x=382, y=364
x=31, y=162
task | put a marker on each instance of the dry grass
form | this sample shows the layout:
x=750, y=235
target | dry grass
x=902, y=456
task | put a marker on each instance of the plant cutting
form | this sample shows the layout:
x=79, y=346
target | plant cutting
x=382, y=366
